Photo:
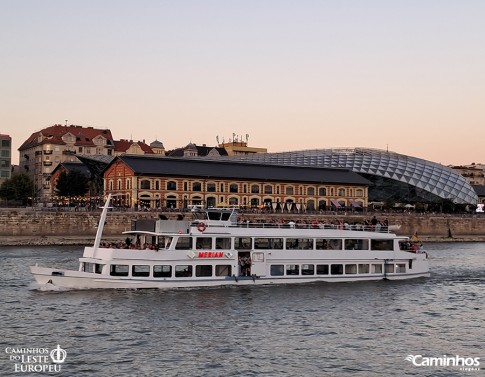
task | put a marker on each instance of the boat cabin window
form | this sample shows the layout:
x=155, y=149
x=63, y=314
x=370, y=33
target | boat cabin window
x=140, y=270
x=382, y=245
x=350, y=269
x=277, y=270
x=328, y=244
x=98, y=268
x=390, y=268
x=184, y=243
x=242, y=243
x=363, y=268
x=400, y=268
x=224, y=270
x=119, y=270
x=357, y=244
x=336, y=269
x=183, y=271
x=307, y=269
x=292, y=269
x=203, y=270
x=299, y=243
x=164, y=243
x=223, y=243
x=87, y=267
x=376, y=269
x=322, y=269
x=162, y=271
x=203, y=243
x=268, y=243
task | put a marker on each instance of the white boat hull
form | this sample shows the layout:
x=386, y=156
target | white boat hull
x=82, y=280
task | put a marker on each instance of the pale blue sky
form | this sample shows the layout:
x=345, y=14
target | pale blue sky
x=407, y=75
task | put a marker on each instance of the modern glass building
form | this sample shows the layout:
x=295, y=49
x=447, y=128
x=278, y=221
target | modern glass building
x=394, y=176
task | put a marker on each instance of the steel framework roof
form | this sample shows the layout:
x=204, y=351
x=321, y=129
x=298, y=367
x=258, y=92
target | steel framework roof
x=434, y=178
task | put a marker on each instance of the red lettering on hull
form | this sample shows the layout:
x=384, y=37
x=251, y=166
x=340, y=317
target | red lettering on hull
x=210, y=254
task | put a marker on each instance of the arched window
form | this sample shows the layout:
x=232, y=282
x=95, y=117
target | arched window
x=310, y=191
x=145, y=184
x=119, y=184
x=128, y=184
x=268, y=189
x=322, y=191
x=233, y=187
x=359, y=192
x=290, y=190
x=157, y=185
x=196, y=186
x=254, y=189
x=211, y=187
x=171, y=185
x=341, y=192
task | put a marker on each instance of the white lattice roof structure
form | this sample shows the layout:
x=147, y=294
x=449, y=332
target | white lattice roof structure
x=428, y=176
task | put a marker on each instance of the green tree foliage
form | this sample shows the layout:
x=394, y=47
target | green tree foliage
x=19, y=187
x=72, y=184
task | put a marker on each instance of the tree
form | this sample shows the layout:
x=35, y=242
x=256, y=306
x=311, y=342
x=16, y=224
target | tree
x=72, y=184
x=19, y=187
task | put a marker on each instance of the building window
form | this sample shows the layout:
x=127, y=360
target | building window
x=322, y=191
x=233, y=187
x=254, y=189
x=171, y=185
x=157, y=185
x=268, y=189
x=145, y=184
x=211, y=187
x=196, y=186
x=289, y=190
x=310, y=191
x=127, y=184
x=341, y=192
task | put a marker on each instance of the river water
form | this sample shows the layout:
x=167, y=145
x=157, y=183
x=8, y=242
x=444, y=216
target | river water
x=340, y=329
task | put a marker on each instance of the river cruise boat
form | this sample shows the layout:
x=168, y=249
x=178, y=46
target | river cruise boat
x=214, y=249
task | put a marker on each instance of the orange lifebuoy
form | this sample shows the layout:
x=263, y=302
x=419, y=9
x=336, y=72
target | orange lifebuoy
x=201, y=227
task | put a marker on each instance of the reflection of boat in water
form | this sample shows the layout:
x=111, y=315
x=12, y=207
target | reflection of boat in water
x=214, y=250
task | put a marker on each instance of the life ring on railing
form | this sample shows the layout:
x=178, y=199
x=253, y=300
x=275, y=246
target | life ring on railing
x=315, y=224
x=201, y=227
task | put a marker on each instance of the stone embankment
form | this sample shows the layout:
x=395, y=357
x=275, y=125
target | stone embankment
x=28, y=227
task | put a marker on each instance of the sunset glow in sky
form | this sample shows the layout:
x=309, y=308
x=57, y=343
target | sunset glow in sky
x=404, y=75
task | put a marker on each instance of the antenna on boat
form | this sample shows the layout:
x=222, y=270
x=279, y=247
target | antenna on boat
x=102, y=220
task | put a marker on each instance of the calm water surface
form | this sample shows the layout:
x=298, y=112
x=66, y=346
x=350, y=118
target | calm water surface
x=343, y=329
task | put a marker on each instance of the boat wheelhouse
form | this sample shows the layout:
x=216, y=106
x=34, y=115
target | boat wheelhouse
x=214, y=249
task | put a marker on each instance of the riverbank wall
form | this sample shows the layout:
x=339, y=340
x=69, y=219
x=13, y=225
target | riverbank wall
x=28, y=227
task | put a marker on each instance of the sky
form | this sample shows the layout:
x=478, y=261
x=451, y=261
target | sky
x=402, y=75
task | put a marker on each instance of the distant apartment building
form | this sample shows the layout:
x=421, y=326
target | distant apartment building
x=473, y=173
x=238, y=147
x=124, y=146
x=234, y=147
x=45, y=149
x=5, y=157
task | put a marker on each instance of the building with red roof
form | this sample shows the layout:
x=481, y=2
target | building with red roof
x=45, y=149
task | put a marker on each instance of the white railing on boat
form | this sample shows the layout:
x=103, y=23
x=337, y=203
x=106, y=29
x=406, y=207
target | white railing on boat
x=351, y=227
